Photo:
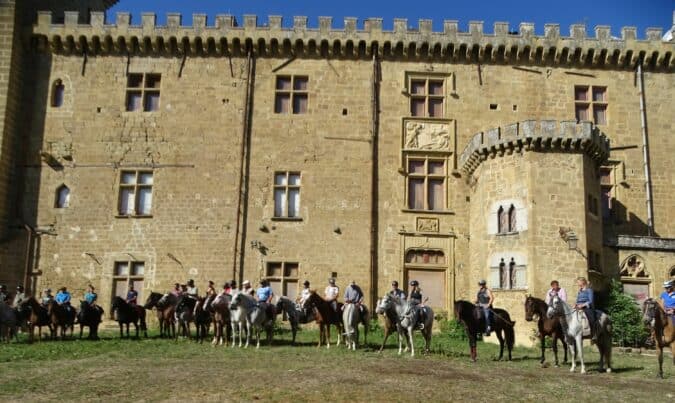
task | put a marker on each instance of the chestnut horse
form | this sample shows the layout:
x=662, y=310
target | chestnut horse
x=127, y=314
x=546, y=326
x=390, y=317
x=471, y=317
x=165, y=306
x=325, y=317
x=663, y=329
x=61, y=318
x=220, y=315
x=37, y=316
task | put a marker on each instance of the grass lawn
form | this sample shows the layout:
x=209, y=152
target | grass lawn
x=155, y=369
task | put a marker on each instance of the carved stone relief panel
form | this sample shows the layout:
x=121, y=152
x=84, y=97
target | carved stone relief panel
x=425, y=224
x=426, y=134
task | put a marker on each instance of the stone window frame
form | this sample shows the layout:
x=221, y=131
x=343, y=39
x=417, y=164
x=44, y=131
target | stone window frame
x=62, y=201
x=295, y=93
x=58, y=94
x=137, y=185
x=287, y=187
x=507, y=220
x=283, y=273
x=425, y=254
x=589, y=104
x=504, y=271
x=515, y=217
x=129, y=276
x=143, y=86
x=426, y=176
x=609, y=189
x=422, y=94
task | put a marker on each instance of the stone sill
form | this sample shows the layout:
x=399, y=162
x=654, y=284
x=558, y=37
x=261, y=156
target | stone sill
x=507, y=233
x=291, y=219
x=133, y=216
x=514, y=290
x=443, y=212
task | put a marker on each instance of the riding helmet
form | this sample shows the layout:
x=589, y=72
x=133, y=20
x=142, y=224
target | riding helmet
x=482, y=282
x=668, y=284
x=305, y=283
x=394, y=283
x=414, y=283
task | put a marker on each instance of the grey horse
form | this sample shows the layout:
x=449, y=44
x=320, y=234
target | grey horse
x=408, y=318
x=351, y=317
x=247, y=307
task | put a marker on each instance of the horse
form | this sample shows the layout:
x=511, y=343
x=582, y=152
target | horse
x=471, y=316
x=127, y=313
x=202, y=320
x=184, y=314
x=220, y=315
x=89, y=316
x=390, y=315
x=547, y=327
x=8, y=322
x=238, y=323
x=61, y=318
x=36, y=316
x=663, y=329
x=256, y=316
x=406, y=318
x=325, y=316
x=295, y=314
x=572, y=324
x=352, y=315
x=164, y=310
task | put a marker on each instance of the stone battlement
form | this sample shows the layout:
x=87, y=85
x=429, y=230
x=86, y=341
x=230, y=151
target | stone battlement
x=534, y=135
x=272, y=39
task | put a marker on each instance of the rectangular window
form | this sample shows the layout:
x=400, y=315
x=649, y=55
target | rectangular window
x=427, y=97
x=143, y=92
x=126, y=273
x=426, y=183
x=135, y=195
x=508, y=276
x=291, y=95
x=606, y=191
x=283, y=278
x=590, y=103
x=287, y=194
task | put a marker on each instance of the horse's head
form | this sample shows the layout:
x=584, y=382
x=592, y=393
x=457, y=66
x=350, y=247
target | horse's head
x=311, y=300
x=152, y=300
x=464, y=310
x=649, y=312
x=380, y=308
x=281, y=304
x=83, y=305
x=529, y=308
x=555, y=307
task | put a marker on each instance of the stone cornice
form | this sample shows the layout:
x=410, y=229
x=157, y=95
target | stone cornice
x=534, y=135
x=641, y=242
x=226, y=37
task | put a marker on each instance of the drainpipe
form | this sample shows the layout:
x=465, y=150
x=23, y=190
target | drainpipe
x=645, y=150
x=27, y=268
x=243, y=155
x=374, y=200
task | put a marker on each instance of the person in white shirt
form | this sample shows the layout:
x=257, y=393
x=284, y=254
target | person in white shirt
x=304, y=294
x=331, y=293
x=555, y=290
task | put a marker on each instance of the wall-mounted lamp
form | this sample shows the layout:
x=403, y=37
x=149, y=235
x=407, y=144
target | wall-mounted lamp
x=569, y=236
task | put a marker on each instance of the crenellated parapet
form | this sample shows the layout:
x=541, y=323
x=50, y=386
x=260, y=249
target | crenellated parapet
x=227, y=37
x=534, y=135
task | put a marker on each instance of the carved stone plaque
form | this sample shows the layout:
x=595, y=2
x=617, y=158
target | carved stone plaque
x=426, y=135
x=427, y=224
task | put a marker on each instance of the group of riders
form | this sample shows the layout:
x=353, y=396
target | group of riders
x=353, y=294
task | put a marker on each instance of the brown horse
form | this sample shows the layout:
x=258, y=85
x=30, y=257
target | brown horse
x=547, y=327
x=663, y=329
x=220, y=315
x=202, y=320
x=126, y=314
x=474, y=322
x=390, y=320
x=165, y=306
x=325, y=317
x=36, y=316
x=61, y=317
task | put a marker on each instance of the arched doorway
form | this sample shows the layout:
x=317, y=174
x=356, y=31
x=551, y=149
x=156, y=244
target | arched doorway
x=428, y=266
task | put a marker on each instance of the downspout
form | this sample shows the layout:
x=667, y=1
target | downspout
x=27, y=268
x=237, y=259
x=645, y=151
x=374, y=199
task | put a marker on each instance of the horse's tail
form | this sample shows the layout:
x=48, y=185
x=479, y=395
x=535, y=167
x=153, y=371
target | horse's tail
x=141, y=316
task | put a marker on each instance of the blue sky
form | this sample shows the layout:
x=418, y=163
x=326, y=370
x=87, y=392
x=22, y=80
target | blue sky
x=616, y=13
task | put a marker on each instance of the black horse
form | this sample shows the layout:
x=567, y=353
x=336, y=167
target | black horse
x=89, y=316
x=536, y=308
x=127, y=313
x=202, y=320
x=471, y=316
x=185, y=314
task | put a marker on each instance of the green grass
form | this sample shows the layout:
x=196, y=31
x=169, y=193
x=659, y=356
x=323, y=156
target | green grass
x=155, y=369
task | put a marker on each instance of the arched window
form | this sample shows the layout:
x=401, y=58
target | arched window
x=635, y=278
x=508, y=276
x=425, y=256
x=503, y=276
x=429, y=268
x=62, y=199
x=512, y=219
x=502, y=221
x=57, y=93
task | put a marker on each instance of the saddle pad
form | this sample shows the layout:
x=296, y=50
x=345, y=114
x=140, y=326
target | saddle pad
x=586, y=328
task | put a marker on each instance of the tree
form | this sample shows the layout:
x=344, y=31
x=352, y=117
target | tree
x=627, y=326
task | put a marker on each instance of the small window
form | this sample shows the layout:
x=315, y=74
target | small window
x=291, y=95
x=426, y=183
x=143, y=92
x=427, y=97
x=287, y=195
x=508, y=276
x=135, y=195
x=590, y=103
x=283, y=278
x=507, y=220
x=58, y=90
x=125, y=274
x=62, y=197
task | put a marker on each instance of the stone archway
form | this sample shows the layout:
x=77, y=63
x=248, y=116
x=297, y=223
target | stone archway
x=636, y=280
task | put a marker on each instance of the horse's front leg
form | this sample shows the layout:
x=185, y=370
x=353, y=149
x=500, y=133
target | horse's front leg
x=328, y=335
x=554, y=341
x=411, y=342
x=580, y=352
x=542, y=340
x=659, y=354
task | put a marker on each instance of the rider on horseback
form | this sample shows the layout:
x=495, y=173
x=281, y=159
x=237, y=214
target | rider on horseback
x=192, y=290
x=264, y=295
x=132, y=295
x=416, y=303
x=210, y=295
x=47, y=297
x=90, y=296
x=395, y=291
x=4, y=296
x=585, y=303
x=19, y=297
x=63, y=298
x=484, y=299
x=354, y=295
x=331, y=293
x=668, y=298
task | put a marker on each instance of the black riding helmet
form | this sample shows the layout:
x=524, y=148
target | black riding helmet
x=414, y=283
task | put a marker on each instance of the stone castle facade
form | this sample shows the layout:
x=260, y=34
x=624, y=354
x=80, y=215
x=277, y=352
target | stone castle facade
x=154, y=154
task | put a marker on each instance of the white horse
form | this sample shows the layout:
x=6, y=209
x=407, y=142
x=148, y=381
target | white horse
x=256, y=318
x=351, y=317
x=407, y=318
x=572, y=324
x=238, y=322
